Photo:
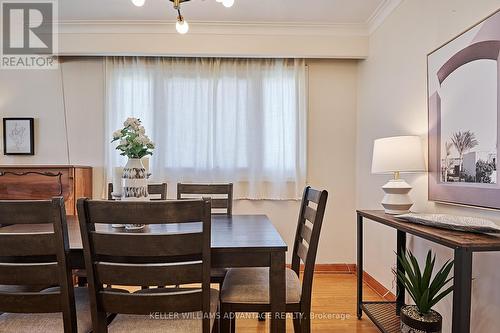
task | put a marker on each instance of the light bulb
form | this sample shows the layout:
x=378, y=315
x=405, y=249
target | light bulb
x=228, y=3
x=138, y=3
x=182, y=26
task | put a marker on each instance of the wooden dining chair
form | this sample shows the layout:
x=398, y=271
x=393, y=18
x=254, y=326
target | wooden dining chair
x=31, y=259
x=222, y=204
x=247, y=289
x=221, y=195
x=154, y=189
x=149, y=258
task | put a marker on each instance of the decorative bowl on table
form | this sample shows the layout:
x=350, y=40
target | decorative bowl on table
x=453, y=222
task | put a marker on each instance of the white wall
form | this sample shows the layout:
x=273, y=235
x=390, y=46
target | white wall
x=35, y=94
x=39, y=94
x=392, y=101
x=331, y=138
x=331, y=153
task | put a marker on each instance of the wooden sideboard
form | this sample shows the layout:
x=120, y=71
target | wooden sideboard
x=38, y=182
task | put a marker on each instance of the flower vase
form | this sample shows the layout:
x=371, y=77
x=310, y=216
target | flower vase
x=135, y=185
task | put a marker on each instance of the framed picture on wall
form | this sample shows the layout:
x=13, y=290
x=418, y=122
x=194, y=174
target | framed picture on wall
x=464, y=117
x=18, y=136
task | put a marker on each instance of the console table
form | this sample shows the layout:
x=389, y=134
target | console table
x=39, y=182
x=385, y=315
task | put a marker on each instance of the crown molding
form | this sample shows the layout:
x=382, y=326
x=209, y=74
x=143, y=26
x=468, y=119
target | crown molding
x=380, y=14
x=204, y=28
x=68, y=27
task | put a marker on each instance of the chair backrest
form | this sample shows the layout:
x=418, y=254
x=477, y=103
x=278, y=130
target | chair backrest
x=36, y=259
x=305, y=247
x=155, y=189
x=221, y=195
x=146, y=258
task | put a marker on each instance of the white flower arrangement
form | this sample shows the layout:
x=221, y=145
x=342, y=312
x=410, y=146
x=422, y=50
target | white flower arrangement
x=133, y=141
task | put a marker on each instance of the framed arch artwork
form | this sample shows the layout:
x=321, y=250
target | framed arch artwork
x=464, y=117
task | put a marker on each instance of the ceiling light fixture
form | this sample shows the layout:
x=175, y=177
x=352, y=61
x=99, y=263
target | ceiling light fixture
x=181, y=25
x=228, y=3
x=138, y=3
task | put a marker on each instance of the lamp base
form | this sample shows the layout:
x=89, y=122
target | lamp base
x=396, y=199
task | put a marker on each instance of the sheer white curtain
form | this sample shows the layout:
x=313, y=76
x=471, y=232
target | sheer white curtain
x=216, y=120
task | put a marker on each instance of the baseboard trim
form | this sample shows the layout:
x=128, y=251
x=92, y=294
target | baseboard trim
x=332, y=268
x=377, y=287
x=370, y=281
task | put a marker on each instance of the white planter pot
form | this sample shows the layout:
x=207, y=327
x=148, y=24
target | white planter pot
x=135, y=181
x=135, y=185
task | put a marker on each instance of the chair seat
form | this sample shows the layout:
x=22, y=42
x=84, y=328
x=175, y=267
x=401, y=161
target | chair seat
x=48, y=322
x=164, y=322
x=251, y=286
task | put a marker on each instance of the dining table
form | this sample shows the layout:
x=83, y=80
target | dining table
x=236, y=241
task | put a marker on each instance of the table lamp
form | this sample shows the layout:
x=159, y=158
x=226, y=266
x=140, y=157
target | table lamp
x=396, y=155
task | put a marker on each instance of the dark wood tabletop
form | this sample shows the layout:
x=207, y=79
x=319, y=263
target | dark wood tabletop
x=249, y=232
x=449, y=238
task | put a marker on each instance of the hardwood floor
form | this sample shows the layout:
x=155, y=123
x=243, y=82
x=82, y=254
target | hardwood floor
x=334, y=304
x=334, y=295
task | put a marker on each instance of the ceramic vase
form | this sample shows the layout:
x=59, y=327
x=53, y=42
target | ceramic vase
x=135, y=185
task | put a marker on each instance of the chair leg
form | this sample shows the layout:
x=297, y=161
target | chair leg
x=296, y=322
x=233, y=322
x=102, y=323
x=216, y=327
x=305, y=324
x=262, y=316
x=225, y=322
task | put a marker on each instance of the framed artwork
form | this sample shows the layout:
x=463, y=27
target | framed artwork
x=464, y=117
x=18, y=136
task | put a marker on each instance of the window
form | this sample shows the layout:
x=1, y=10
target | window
x=216, y=120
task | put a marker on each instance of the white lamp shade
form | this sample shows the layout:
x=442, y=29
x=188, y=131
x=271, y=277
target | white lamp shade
x=398, y=154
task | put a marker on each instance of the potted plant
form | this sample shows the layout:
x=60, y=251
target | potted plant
x=135, y=144
x=425, y=291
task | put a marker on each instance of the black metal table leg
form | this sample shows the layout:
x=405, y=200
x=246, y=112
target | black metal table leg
x=400, y=291
x=462, y=281
x=359, y=267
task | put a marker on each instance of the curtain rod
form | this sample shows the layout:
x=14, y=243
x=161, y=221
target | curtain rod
x=73, y=57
